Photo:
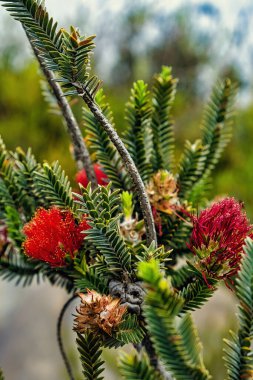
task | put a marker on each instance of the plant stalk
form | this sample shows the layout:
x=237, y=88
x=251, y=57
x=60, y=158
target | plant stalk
x=81, y=153
x=147, y=344
x=59, y=338
x=128, y=161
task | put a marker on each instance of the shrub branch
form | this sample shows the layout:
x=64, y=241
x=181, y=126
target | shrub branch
x=128, y=161
x=81, y=153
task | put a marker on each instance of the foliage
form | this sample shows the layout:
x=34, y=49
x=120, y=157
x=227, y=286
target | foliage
x=89, y=278
x=238, y=348
x=18, y=268
x=138, y=111
x=90, y=354
x=55, y=186
x=113, y=258
x=22, y=184
x=164, y=89
x=178, y=347
x=137, y=367
x=100, y=206
x=130, y=332
x=200, y=158
x=100, y=144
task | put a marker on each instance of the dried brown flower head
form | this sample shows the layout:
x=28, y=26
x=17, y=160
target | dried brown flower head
x=162, y=191
x=98, y=312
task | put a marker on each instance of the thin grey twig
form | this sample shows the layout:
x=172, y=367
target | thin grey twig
x=128, y=161
x=153, y=358
x=59, y=338
x=81, y=153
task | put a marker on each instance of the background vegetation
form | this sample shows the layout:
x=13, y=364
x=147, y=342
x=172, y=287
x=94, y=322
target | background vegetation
x=24, y=116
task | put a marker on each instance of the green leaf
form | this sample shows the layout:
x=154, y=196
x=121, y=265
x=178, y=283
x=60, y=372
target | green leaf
x=16, y=267
x=127, y=204
x=21, y=269
x=130, y=330
x=244, y=288
x=4, y=155
x=198, y=195
x=163, y=94
x=55, y=186
x=74, y=64
x=10, y=190
x=177, y=233
x=26, y=166
x=101, y=209
x=100, y=145
x=173, y=344
x=160, y=291
x=191, y=341
x=101, y=204
x=191, y=167
x=170, y=345
x=199, y=159
x=217, y=123
x=14, y=226
x=5, y=198
x=137, y=367
x=150, y=272
x=181, y=277
x=138, y=113
x=196, y=293
x=110, y=244
x=239, y=355
x=17, y=184
x=90, y=279
x=151, y=253
x=90, y=351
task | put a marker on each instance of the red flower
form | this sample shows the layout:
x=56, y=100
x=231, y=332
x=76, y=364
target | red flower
x=217, y=239
x=52, y=234
x=81, y=176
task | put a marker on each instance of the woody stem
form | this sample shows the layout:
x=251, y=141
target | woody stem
x=128, y=162
x=81, y=153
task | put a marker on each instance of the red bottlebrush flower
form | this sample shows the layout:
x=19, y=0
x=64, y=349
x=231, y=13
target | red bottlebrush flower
x=81, y=176
x=217, y=239
x=52, y=234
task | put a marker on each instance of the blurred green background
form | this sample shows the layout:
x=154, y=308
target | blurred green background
x=202, y=41
x=146, y=38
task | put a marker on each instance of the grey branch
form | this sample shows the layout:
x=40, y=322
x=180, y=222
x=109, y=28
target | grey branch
x=153, y=358
x=128, y=162
x=81, y=153
x=59, y=338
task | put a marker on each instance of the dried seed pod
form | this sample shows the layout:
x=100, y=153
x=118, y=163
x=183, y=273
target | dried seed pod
x=98, y=312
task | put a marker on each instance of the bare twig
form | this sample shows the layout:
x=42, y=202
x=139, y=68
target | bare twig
x=81, y=153
x=153, y=357
x=59, y=338
x=128, y=161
